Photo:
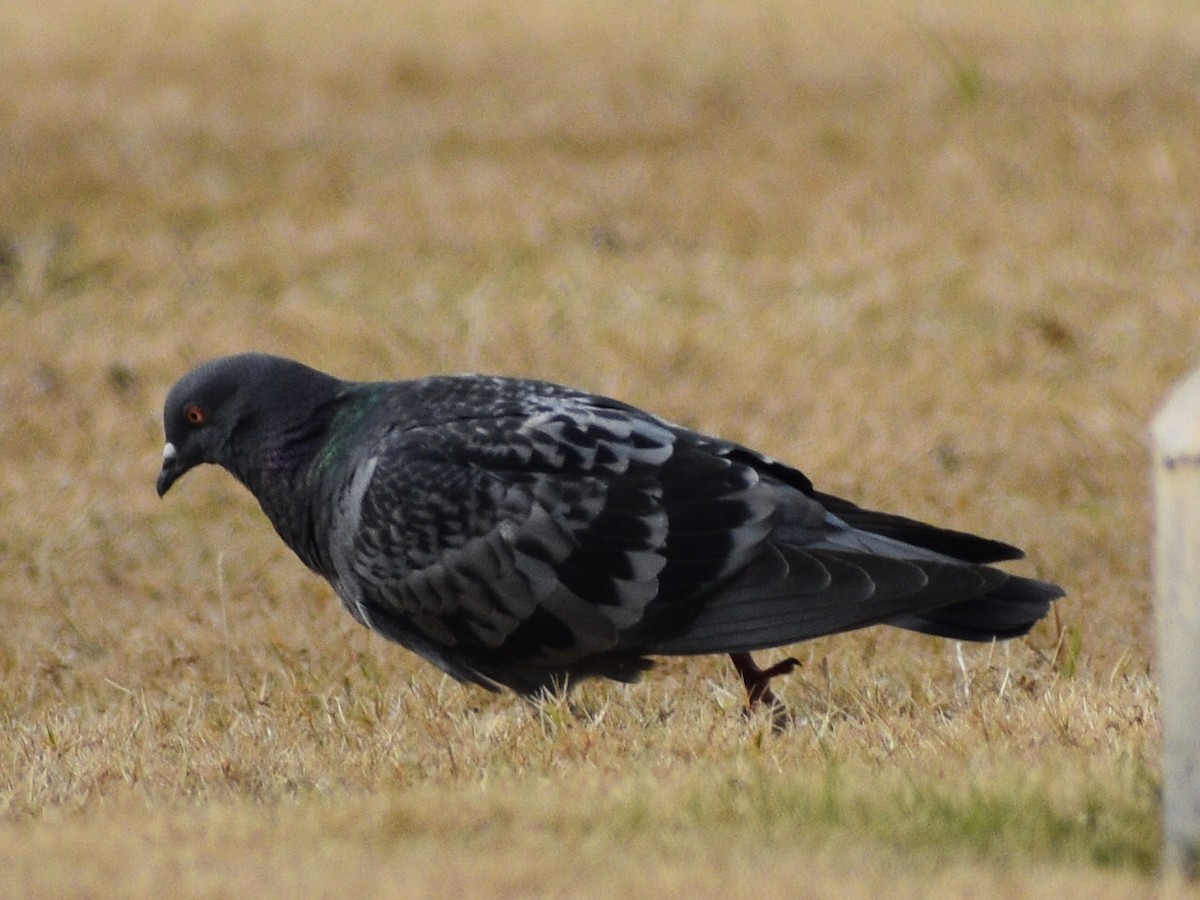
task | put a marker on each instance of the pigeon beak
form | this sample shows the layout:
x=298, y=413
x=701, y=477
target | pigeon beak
x=172, y=468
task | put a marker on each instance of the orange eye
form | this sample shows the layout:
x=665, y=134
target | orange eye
x=195, y=414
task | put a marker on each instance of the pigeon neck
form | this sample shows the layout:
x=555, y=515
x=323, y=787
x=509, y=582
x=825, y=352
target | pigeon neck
x=281, y=484
x=277, y=465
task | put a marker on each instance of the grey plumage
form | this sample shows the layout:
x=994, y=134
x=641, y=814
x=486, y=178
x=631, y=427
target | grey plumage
x=519, y=533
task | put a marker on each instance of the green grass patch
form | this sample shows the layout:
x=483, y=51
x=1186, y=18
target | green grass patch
x=1003, y=820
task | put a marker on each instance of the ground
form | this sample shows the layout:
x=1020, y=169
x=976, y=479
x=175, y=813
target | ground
x=940, y=256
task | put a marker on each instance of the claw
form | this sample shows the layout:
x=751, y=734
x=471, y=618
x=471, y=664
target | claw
x=758, y=684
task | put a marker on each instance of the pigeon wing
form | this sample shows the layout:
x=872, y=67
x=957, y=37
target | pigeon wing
x=515, y=549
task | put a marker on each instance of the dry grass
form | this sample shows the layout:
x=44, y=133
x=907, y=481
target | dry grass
x=941, y=255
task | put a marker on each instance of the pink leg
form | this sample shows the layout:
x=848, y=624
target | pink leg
x=758, y=681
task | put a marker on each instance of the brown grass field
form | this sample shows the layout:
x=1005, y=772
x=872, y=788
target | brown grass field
x=944, y=256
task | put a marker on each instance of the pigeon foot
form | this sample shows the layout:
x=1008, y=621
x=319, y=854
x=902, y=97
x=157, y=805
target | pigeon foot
x=758, y=685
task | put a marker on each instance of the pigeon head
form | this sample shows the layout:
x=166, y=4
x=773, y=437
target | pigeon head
x=233, y=410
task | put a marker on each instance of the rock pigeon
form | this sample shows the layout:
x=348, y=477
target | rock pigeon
x=522, y=534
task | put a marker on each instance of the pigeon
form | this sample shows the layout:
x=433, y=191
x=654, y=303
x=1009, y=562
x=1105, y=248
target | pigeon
x=525, y=535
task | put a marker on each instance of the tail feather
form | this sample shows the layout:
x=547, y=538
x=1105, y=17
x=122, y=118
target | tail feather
x=1007, y=612
x=765, y=607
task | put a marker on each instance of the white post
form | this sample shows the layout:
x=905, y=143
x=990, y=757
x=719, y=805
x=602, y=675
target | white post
x=1176, y=432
